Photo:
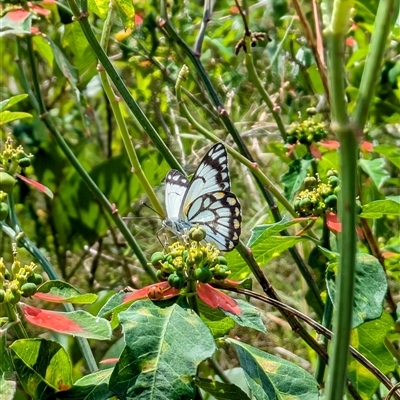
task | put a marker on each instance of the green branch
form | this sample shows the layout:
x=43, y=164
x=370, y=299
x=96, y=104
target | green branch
x=347, y=205
x=115, y=107
x=385, y=13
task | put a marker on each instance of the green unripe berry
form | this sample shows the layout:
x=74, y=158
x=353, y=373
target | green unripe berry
x=310, y=182
x=37, y=279
x=7, y=182
x=2, y=295
x=331, y=201
x=311, y=110
x=177, y=281
x=222, y=260
x=24, y=162
x=305, y=204
x=28, y=289
x=291, y=139
x=156, y=259
x=4, y=210
x=332, y=172
x=303, y=139
x=197, y=234
x=333, y=181
x=203, y=274
x=222, y=272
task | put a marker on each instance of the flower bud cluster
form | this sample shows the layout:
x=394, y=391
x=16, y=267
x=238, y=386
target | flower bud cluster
x=306, y=132
x=12, y=160
x=180, y=262
x=21, y=281
x=318, y=197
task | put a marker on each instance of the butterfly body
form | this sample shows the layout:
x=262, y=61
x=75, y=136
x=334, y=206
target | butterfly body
x=206, y=200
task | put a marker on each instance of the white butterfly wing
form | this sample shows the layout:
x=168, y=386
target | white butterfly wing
x=219, y=213
x=175, y=189
x=212, y=175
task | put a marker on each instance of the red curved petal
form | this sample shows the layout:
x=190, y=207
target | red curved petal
x=216, y=299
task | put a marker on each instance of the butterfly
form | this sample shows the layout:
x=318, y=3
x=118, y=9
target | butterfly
x=206, y=200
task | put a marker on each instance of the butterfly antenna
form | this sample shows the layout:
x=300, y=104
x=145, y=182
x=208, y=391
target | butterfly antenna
x=152, y=209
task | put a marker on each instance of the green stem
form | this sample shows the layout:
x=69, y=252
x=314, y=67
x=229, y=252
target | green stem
x=347, y=206
x=82, y=18
x=259, y=86
x=15, y=320
x=326, y=322
x=385, y=12
x=115, y=106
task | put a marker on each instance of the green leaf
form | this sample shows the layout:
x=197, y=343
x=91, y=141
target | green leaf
x=99, y=7
x=263, y=232
x=91, y=387
x=392, y=153
x=218, y=323
x=68, y=70
x=375, y=169
x=8, y=388
x=5, y=104
x=43, y=366
x=369, y=340
x=250, y=316
x=264, y=250
x=164, y=346
x=264, y=246
x=378, y=208
x=9, y=116
x=84, y=59
x=42, y=46
x=370, y=288
x=293, y=179
x=62, y=292
x=126, y=13
x=271, y=377
x=220, y=390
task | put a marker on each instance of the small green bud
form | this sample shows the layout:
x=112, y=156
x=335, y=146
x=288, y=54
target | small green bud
x=332, y=172
x=331, y=201
x=37, y=279
x=177, y=281
x=156, y=259
x=7, y=182
x=310, y=182
x=333, y=181
x=24, y=162
x=222, y=260
x=28, y=289
x=197, y=234
x=222, y=272
x=203, y=274
x=2, y=295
